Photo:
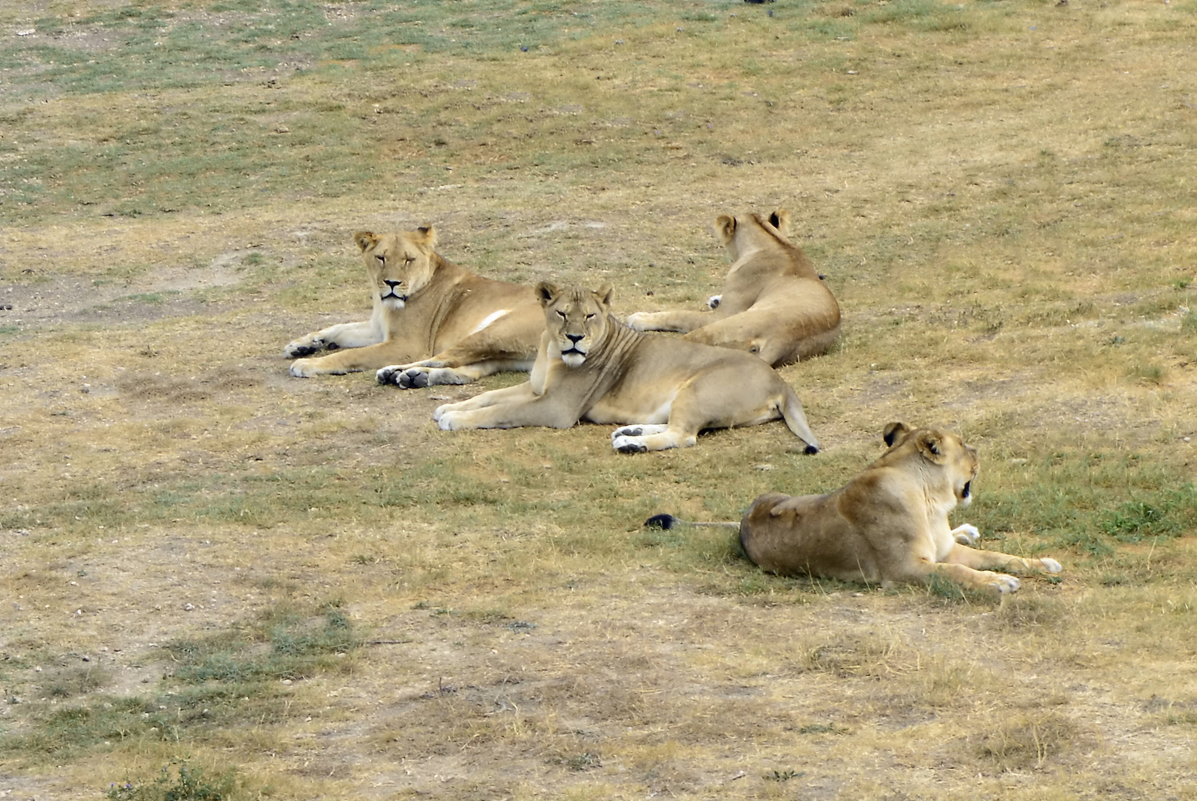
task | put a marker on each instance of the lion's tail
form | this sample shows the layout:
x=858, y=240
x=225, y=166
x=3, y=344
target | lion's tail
x=668, y=521
x=791, y=412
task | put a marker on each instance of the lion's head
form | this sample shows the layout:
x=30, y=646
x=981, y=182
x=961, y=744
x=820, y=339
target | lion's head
x=575, y=319
x=742, y=234
x=939, y=448
x=399, y=264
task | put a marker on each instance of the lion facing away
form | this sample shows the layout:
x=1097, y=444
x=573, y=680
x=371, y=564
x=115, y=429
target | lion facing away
x=591, y=367
x=773, y=304
x=433, y=322
x=888, y=525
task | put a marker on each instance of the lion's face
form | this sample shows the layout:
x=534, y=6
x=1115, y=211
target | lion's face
x=575, y=319
x=399, y=264
x=940, y=449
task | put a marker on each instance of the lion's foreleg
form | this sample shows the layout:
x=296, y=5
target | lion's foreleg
x=513, y=394
x=433, y=372
x=973, y=579
x=354, y=360
x=994, y=560
x=342, y=335
x=680, y=321
x=510, y=410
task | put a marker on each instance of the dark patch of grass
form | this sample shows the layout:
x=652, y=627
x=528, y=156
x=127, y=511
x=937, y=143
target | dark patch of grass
x=287, y=643
x=176, y=782
x=1168, y=513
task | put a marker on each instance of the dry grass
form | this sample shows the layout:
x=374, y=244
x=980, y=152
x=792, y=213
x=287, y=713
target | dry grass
x=302, y=589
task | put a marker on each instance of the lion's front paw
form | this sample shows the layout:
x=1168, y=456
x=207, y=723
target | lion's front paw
x=1005, y=583
x=447, y=420
x=1051, y=565
x=303, y=368
x=967, y=534
x=306, y=347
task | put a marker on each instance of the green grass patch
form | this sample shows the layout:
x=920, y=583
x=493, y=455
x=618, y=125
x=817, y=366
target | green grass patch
x=220, y=681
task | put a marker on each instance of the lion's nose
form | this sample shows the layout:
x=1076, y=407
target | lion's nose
x=391, y=284
x=574, y=338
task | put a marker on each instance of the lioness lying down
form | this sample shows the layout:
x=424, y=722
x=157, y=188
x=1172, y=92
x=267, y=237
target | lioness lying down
x=773, y=303
x=888, y=525
x=433, y=322
x=592, y=367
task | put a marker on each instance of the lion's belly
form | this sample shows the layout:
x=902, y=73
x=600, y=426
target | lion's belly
x=619, y=408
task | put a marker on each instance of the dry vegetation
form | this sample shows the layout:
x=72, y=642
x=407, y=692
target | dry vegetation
x=218, y=579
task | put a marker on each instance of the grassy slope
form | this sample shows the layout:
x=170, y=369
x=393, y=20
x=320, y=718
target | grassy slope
x=999, y=193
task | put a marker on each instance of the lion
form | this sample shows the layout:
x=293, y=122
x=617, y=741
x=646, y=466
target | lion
x=593, y=368
x=773, y=303
x=888, y=525
x=433, y=322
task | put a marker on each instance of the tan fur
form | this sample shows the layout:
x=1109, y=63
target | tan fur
x=591, y=367
x=773, y=302
x=887, y=525
x=433, y=322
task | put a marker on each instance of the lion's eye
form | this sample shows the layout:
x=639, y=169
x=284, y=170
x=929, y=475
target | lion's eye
x=590, y=317
x=381, y=259
x=407, y=261
x=561, y=314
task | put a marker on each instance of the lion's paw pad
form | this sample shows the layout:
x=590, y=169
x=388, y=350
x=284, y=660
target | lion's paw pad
x=627, y=431
x=412, y=379
x=628, y=445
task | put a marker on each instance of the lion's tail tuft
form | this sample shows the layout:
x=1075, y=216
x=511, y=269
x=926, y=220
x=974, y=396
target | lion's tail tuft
x=665, y=522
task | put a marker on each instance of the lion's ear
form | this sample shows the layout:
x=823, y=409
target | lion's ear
x=427, y=236
x=603, y=295
x=780, y=220
x=725, y=227
x=892, y=431
x=365, y=240
x=546, y=293
x=931, y=446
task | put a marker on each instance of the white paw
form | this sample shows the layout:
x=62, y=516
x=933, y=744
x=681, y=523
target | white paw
x=967, y=534
x=624, y=444
x=301, y=368
x=439, y=411
x=1051, y=565
x=714, y=300
x=447, y=421
x=1006, y=583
